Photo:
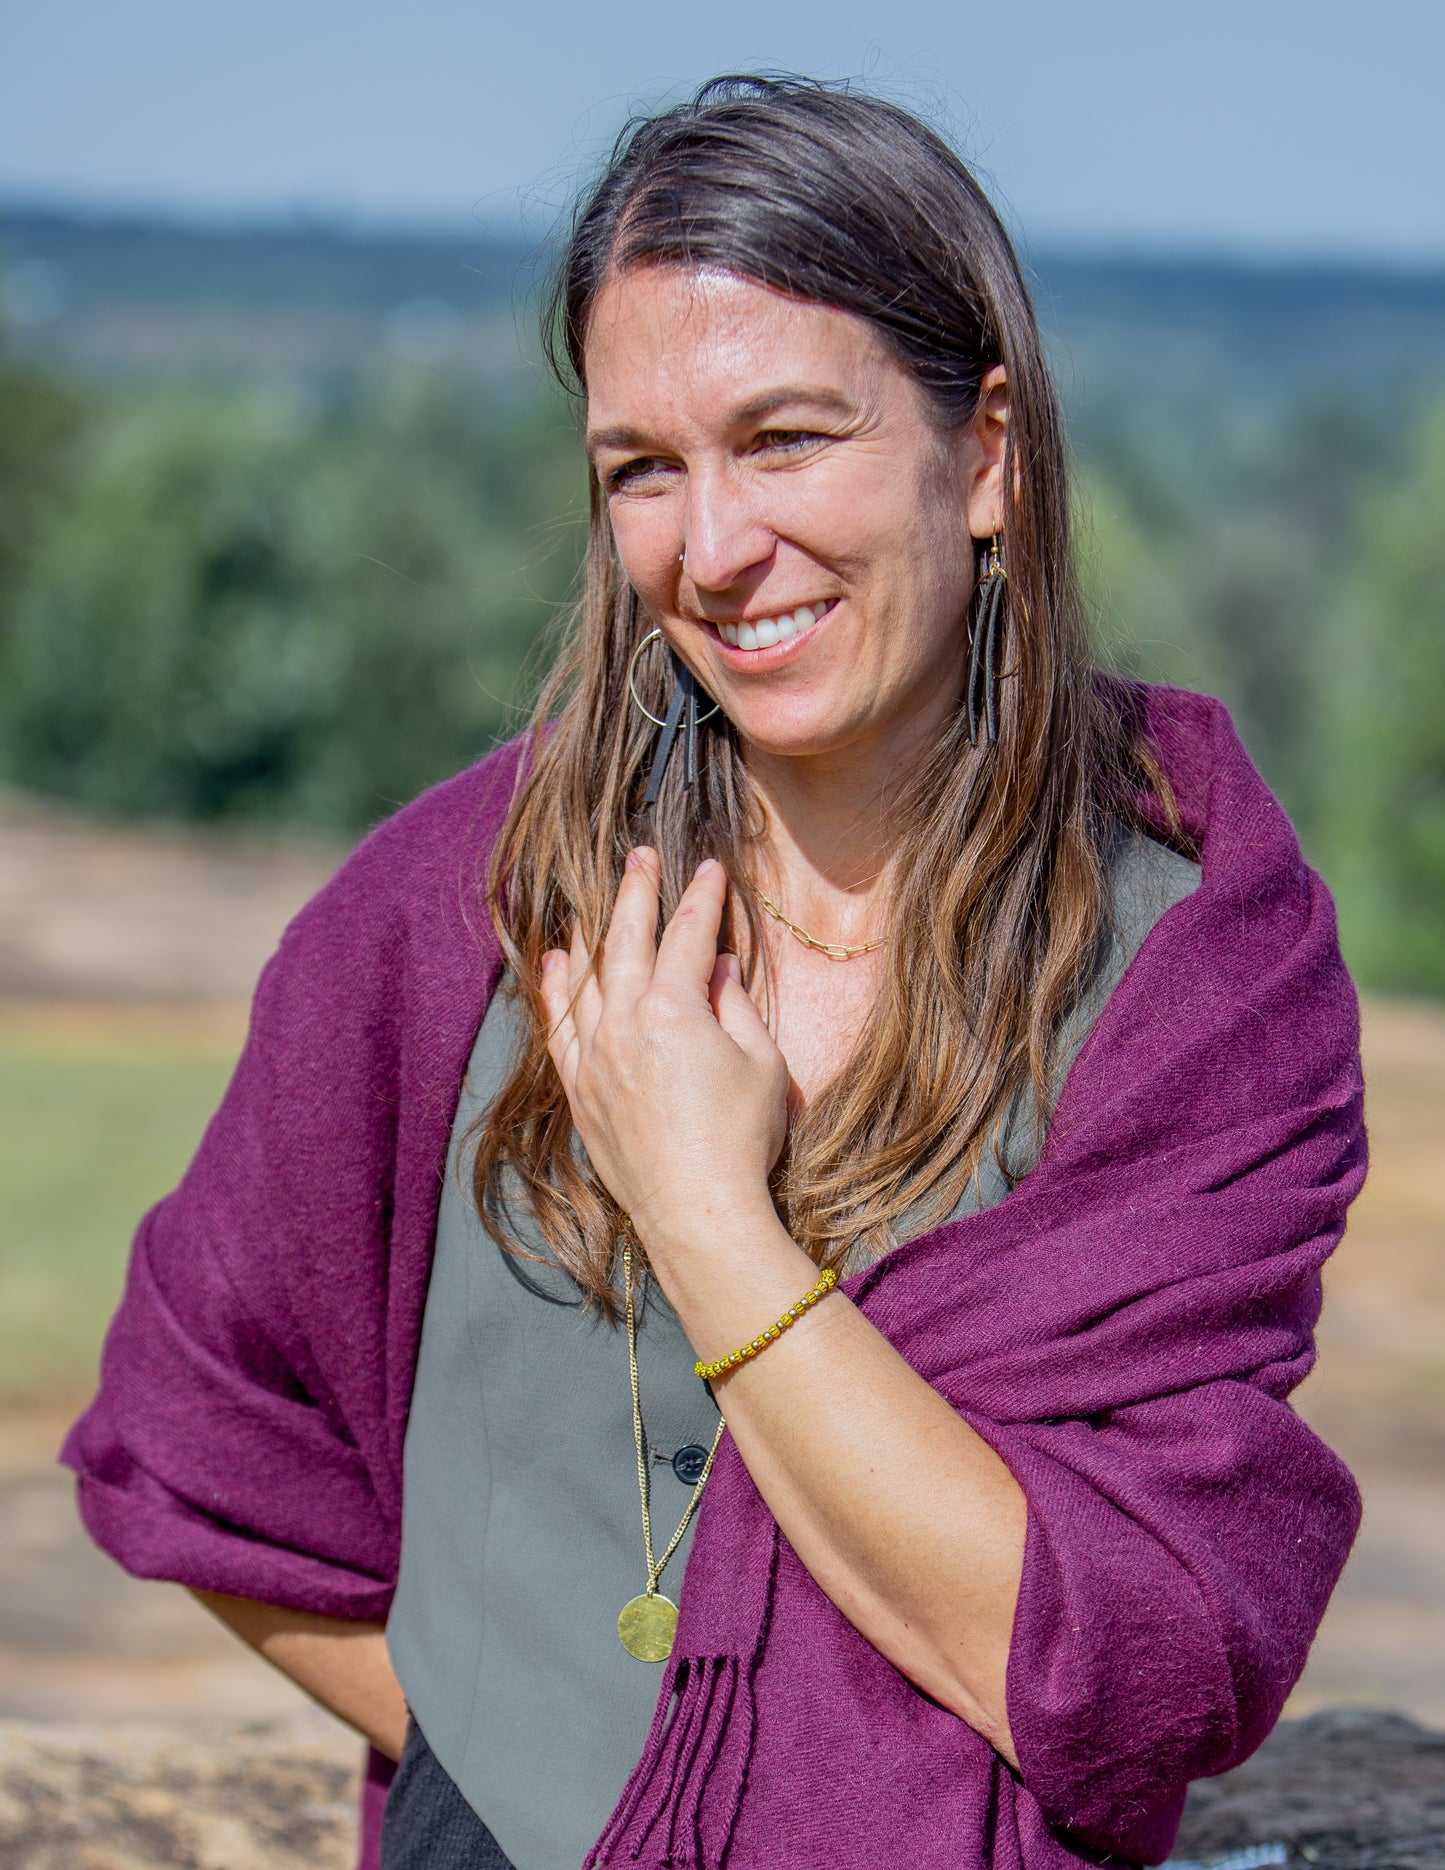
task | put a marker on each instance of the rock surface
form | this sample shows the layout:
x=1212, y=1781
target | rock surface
x=274, y=1796
x=1345, y=1790
x=1341, y=1791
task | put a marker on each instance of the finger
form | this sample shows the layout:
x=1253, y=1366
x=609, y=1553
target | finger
x=630, y=951
x=727, y=967
x=552, y=985
x=741, y=1020
x=687, y=952
x=562, y=1043
x=584, y=991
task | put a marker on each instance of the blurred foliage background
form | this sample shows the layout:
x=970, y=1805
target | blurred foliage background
x=285, y=512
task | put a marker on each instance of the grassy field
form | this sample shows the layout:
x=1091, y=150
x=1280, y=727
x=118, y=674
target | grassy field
x=98, y=1117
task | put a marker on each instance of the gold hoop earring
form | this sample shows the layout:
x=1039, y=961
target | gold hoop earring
x=656, y=719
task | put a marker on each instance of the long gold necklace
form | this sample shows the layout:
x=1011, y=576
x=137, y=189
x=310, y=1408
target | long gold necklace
x=835, y=950
x=647, y=1624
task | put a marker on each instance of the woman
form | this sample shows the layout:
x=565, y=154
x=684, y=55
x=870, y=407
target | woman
x=991, y=987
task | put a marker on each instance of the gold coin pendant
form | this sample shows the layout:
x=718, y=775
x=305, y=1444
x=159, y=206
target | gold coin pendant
x=647, y=1626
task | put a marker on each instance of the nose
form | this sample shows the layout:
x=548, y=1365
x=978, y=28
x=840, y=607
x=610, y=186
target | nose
x=724, y=537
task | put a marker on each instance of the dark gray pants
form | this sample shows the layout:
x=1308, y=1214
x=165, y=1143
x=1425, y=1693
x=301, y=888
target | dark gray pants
x=428, y=1825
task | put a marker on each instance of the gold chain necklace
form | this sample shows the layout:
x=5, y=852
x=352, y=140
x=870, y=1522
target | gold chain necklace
x=647, y=1624
x=835, y=950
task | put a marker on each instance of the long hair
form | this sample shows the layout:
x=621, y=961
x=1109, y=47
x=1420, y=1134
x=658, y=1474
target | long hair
x=998, y=881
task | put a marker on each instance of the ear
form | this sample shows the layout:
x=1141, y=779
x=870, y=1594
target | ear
x=987, y=438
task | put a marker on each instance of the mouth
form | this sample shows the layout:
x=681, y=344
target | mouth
x=771, y=632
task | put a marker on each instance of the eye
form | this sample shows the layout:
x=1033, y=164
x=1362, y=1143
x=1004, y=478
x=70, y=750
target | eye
x=628, y=473
x=789, y=441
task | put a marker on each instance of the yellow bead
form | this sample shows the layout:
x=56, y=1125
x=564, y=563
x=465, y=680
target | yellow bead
x=827, y=1280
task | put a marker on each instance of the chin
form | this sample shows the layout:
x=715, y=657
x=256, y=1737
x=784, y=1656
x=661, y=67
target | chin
x=790, y=739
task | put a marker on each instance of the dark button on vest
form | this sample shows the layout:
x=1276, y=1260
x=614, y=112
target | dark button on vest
x=689, y=1462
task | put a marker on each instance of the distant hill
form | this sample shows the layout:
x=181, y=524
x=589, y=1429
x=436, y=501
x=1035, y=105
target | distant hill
x=132, y=295
x=128, y=295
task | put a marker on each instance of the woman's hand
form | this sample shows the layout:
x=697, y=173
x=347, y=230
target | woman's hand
x=905, y=1517
x=676, y=1087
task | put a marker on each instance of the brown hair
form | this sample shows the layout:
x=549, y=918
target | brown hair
x=999, y=895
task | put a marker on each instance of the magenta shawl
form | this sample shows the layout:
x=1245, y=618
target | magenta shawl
x=1124, y=1329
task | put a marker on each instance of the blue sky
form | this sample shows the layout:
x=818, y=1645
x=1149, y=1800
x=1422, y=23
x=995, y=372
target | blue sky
x=1279, y=128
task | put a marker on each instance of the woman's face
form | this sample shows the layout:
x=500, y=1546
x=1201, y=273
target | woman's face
x=787, y=511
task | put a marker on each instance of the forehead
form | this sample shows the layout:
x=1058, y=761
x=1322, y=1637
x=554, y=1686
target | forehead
x=668, y=340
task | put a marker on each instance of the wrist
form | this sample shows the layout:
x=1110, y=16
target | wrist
x=729, y=1273
x=710, y=1369
x=712, y=1225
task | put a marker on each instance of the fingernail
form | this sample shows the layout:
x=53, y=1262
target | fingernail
x=734, y=968
x=633, y=860
x=551, y=960
x=707, y=864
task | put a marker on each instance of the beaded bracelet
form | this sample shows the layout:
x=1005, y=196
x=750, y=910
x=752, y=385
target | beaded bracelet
x=760, y=1343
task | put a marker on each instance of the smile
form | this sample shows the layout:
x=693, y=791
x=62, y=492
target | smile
x=768, y=631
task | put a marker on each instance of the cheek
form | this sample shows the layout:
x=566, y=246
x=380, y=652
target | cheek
x=898, y=512
x=937, y=531
x=648, y=544
x=841, y=510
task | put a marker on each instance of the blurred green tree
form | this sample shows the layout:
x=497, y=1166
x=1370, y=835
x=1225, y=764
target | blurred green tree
x=1214, y=566
x=1208, y=599
x=41, y=423
x=269, y=605
x=1381, y=728
x=301, y=604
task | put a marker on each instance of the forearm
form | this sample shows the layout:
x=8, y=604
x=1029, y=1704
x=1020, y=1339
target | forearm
x=342, y=1664
x=907, y=1519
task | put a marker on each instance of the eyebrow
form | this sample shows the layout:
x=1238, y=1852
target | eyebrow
x=765, y=403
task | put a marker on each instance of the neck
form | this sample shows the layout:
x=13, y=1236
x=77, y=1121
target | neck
x=832, y=823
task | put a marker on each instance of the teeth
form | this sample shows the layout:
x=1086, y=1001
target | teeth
x=770, y=630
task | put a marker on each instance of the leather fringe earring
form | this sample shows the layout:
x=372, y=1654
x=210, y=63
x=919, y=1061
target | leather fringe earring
x=681, y=721
x=989, y=608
